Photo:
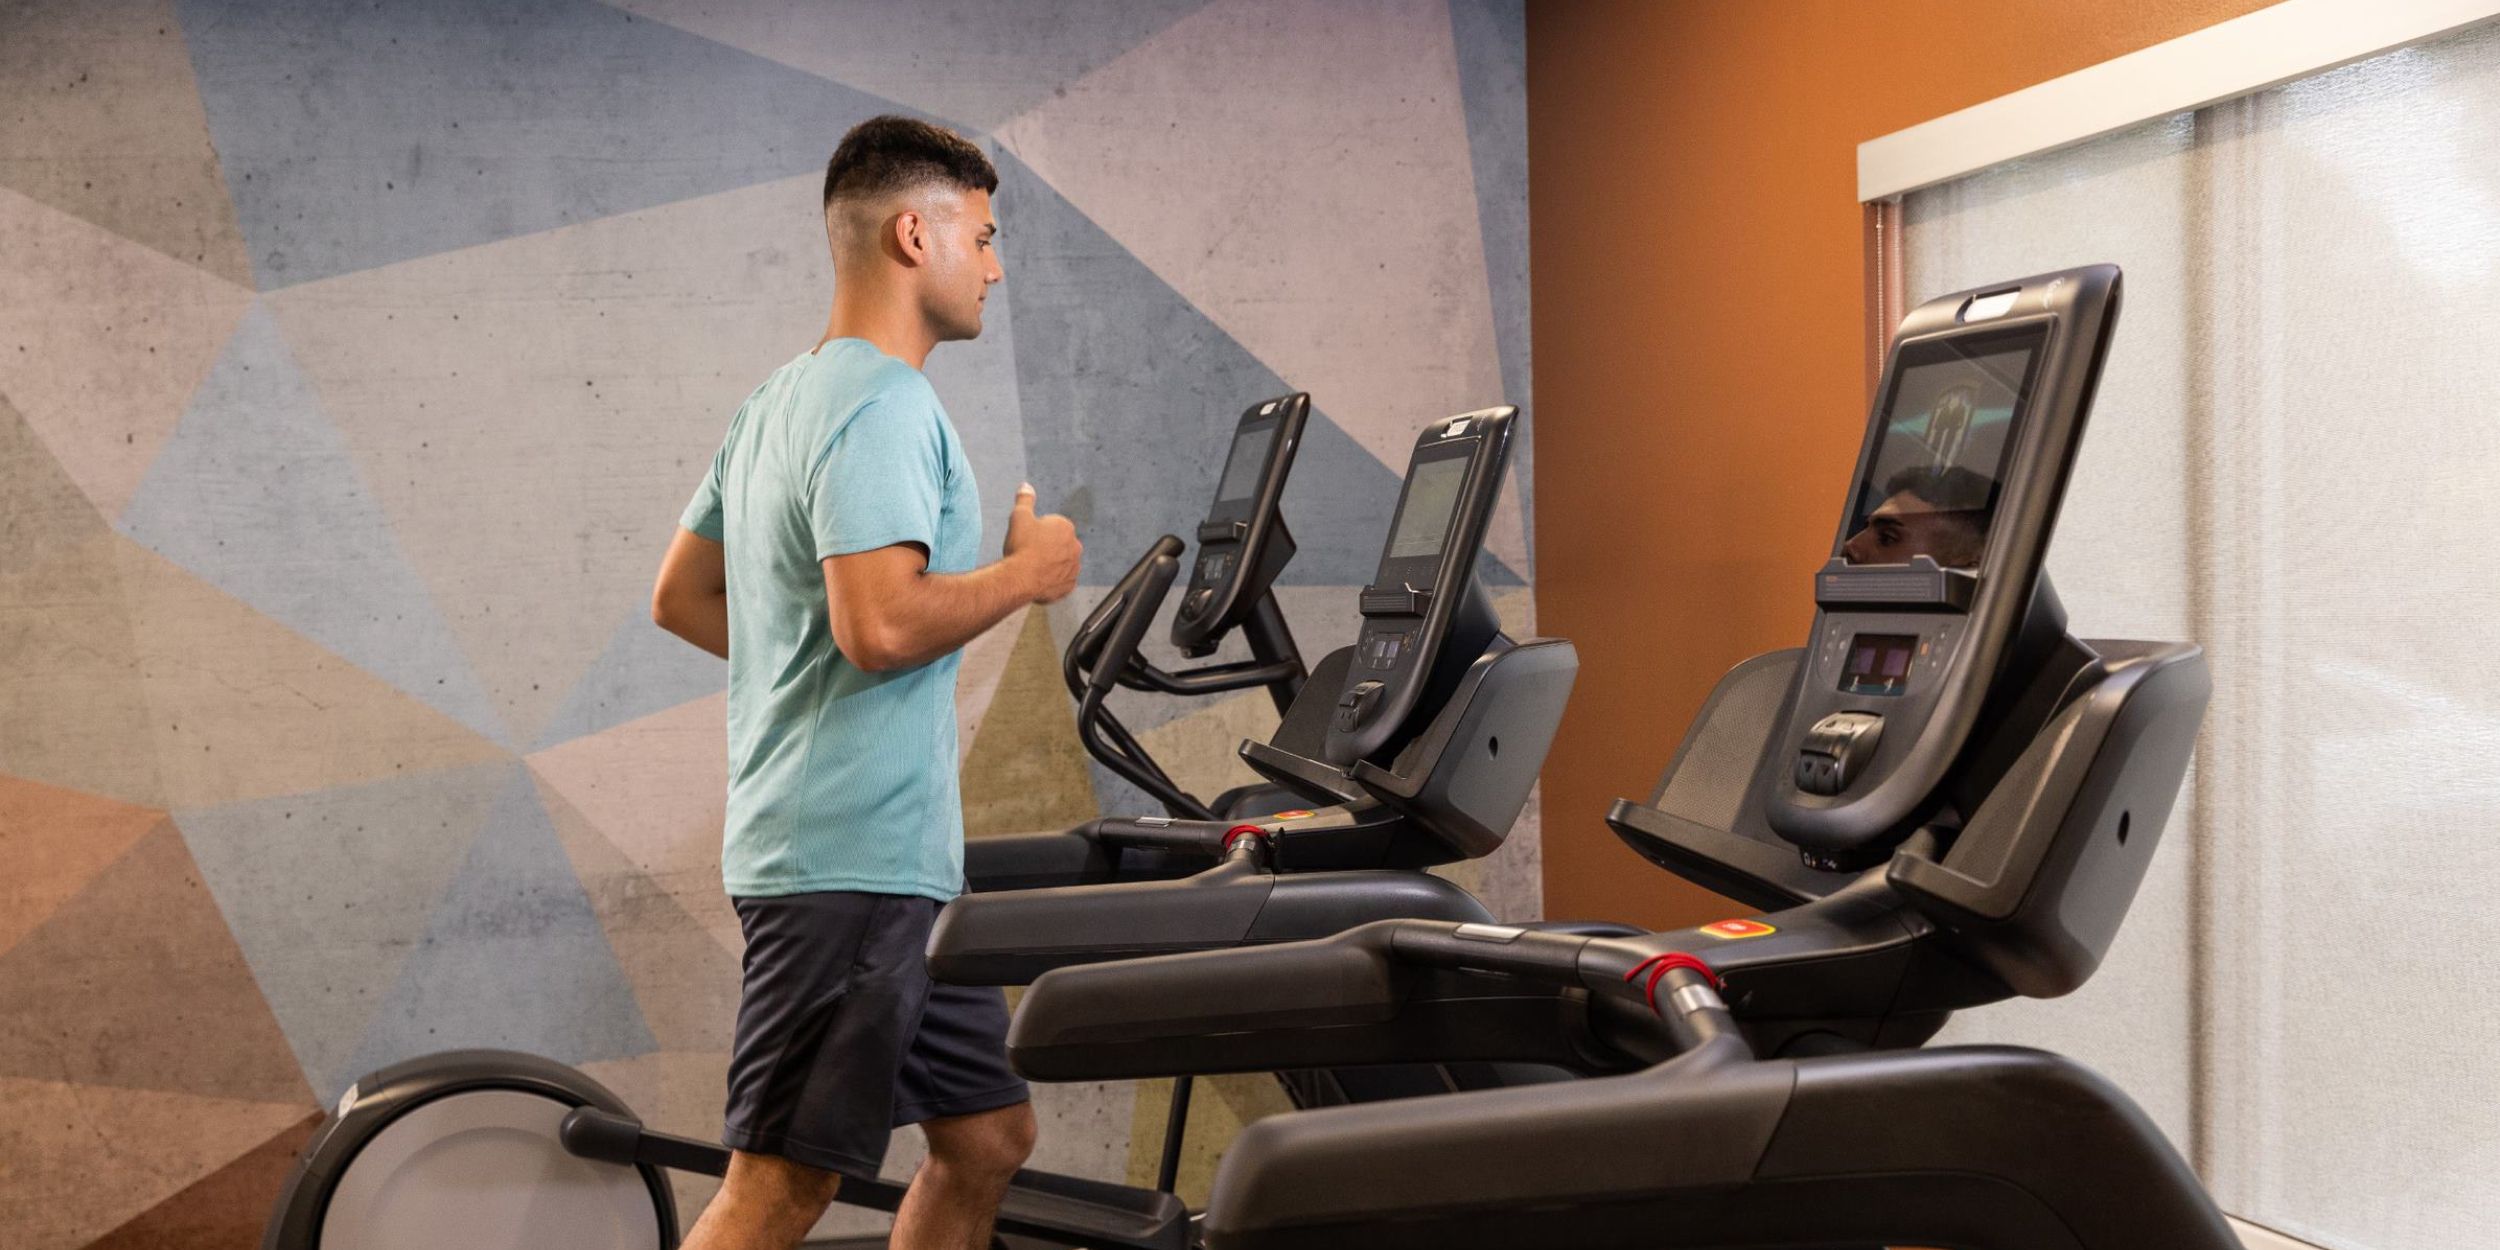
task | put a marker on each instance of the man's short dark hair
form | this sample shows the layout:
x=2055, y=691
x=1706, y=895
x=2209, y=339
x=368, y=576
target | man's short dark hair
x=1954, y=489
x=887, y=154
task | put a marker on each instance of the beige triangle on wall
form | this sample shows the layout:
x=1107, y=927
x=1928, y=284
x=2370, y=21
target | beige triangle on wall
x=102, y=342
x=83, y=1159
x=242, y=707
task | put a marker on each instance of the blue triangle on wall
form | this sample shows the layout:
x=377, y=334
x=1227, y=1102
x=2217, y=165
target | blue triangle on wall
x=358, y=135
x=513, y=958
x=255, y=494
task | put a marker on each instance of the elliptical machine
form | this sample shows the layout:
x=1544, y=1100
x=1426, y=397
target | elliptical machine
x=1942, y=801
x=1414, y=747
x=1418, y=745
x=1425, y=758
x=1243, y=546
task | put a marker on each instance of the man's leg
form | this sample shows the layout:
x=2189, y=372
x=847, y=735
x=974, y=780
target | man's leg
x=954, y=1197
x=765, y=1204
x=831, y=997
x=978, y=1115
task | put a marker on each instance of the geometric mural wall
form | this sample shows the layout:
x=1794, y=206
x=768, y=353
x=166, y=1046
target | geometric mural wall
x=355, y=363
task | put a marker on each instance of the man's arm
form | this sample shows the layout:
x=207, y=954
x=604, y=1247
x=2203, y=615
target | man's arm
x=691, y=599
x=888, y=611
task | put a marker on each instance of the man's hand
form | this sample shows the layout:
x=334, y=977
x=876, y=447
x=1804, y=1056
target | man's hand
x=1045, y=547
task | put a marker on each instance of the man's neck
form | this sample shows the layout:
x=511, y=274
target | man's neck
x=888, y=324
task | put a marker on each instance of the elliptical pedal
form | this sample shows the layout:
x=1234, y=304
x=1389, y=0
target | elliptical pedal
x=1105, y=1216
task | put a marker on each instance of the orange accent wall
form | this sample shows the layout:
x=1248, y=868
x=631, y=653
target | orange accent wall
x=1699, y=301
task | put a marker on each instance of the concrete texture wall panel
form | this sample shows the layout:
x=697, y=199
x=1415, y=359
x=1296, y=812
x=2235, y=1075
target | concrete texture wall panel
x=355, y=362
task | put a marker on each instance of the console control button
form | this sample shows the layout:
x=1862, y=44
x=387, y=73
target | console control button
x=1836, y=751
x=1357, y=700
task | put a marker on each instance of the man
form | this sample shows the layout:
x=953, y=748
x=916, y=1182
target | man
x=829, y=555
x=1939, y=513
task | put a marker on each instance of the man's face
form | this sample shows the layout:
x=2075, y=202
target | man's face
x=1906, y=525
x=963, y=262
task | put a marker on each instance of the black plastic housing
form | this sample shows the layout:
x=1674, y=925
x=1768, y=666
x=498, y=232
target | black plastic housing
x=1465, y=778
x=1429, y=600
x=2033, y=884
x=1978, y=1148
x=1971, y=624
x=1245, y=536
x=2036, y=883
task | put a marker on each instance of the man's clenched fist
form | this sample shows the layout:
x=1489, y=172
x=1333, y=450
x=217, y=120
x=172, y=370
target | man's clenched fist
x=1045, y=546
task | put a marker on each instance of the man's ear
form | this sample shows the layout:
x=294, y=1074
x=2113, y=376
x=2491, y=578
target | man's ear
x=911, y=237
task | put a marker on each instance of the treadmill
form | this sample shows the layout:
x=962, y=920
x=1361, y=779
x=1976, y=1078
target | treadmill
x=1942, y=801
x=1416, y=746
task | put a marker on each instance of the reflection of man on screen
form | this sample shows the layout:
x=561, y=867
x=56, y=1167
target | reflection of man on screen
x=1949, y=422
x=1942, y=514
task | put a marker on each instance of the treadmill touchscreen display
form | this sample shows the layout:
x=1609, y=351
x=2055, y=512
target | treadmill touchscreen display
x=1424, y=517
x=1241, y=468
x=1949, y=423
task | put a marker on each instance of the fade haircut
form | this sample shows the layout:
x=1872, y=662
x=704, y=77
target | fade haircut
x=887, y=154
x=1953, y=489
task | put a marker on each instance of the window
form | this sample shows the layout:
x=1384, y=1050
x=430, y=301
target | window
x=2295, y=461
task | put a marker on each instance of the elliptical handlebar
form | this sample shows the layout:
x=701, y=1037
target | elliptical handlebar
x=1104, y=653
x=1117, y=649
x=1208, y=679
x=1104, y=648
x=1084, y=653
x=1085, y=659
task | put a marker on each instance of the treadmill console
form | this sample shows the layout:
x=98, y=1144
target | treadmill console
x=1423, y=614
x=1969, y=446
x=1242, y=544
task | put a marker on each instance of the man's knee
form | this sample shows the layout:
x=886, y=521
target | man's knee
x=990, y=1143
x=782, y=1182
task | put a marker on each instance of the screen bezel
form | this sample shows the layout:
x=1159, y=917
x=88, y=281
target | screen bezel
x=1963, y=345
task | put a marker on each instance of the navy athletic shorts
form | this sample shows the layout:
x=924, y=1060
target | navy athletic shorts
x=842, y=1036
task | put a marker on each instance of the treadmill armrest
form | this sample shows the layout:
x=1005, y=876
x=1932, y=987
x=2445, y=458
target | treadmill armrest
x=1011, y=938
x=1074, y=856
x=1341, y=1001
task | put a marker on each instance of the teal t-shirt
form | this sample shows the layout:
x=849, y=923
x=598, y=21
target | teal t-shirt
x=839, y=779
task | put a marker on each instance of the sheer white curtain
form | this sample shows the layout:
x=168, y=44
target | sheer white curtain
x=2295, y=460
